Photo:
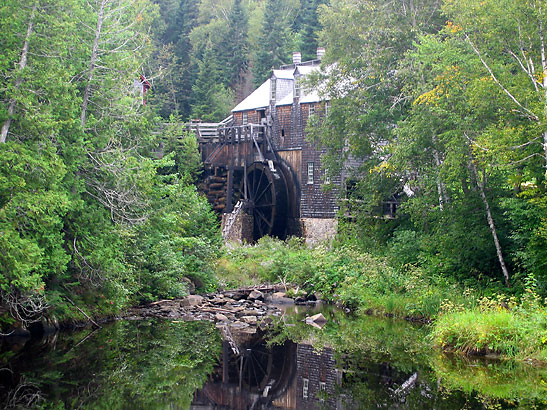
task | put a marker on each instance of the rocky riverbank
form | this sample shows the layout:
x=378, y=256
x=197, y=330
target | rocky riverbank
x=243, y=310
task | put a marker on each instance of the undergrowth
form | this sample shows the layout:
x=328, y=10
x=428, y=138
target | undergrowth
x=465, y=319
x=508, y=326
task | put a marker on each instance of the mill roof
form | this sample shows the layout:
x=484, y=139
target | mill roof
x=260, y=98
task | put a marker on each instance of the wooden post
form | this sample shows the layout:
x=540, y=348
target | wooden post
x=225, y=359
x=230, y=190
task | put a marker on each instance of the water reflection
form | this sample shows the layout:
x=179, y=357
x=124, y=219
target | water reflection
x=126, y=365
x=350, y=363
x=357, y=363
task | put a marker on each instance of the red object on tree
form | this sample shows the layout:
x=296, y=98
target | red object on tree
x=145, y=87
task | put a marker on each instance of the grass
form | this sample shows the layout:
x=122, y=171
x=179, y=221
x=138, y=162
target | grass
x=518, y=331
x=343, y=274
x=463, y=320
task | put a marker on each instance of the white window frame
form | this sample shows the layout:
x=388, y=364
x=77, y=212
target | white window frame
x=312, y=109
x=327, y=108
x=297, y=87
x=311, y=173
x=305, y=388
x=244, y=118
x=273, y=89
x=322, y=388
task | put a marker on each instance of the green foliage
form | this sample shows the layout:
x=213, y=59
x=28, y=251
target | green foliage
x=513, y=383
x=274, y=40
x=506, y=326
x=32, y=207
x=128, y=362
x=89, y=216
x=184, y=147
x=345, y=275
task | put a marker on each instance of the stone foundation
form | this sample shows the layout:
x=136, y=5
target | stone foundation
x=241, y=230
x=313, y=230
x=316, y=230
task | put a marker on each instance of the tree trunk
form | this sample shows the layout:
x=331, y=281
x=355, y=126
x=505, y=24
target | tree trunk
x=22, y=65
x=92, y=63
x=490, y=220
x=438, y=180
x=544, y=84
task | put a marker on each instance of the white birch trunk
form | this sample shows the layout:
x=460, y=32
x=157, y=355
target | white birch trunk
x=439, y=182
x=19, y=80
x=491, y=223
x=544, y=84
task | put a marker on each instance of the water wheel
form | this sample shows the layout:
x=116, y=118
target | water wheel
x=267, y=200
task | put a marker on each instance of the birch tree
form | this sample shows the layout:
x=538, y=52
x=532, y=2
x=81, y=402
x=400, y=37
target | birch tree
x=508, y=38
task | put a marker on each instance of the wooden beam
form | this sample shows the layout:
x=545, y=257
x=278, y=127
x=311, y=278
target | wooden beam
x=230, y=191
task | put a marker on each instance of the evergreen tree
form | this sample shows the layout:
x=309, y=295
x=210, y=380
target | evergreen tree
x=235, y=46
x=273, y=43
x=186, y=68
x=212, y=99
x=309, y=28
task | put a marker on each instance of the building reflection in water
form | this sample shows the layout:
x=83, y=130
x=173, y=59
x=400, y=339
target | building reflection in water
x=288, y=376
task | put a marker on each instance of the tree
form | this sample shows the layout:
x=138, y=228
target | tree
x=213, y=99
x=309, y=28
x=509, y=42
x=274, y=39
x=235, y=46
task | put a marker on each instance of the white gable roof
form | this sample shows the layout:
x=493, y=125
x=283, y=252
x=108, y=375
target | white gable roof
x=259, y=98
x=284, y=74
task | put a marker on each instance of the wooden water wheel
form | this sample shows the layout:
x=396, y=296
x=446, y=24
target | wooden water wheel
x=266, y=200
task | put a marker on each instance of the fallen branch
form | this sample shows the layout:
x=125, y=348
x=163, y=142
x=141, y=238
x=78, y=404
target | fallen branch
x=82, y=312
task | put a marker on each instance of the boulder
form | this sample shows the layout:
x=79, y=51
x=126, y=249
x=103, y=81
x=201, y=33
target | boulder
x=318, y=318
x=252, y=320
x=221, y=318
x=192, y=300
x=219, y=300
x=280, y=298
x=239, y=325
x=236, y=295
x=256, y=295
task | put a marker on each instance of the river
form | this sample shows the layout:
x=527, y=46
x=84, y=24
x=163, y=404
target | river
x=352, y=362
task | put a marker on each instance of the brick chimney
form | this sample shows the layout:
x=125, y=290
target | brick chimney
x=320, y=52
x=297, y=57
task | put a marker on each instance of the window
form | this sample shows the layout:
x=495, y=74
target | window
x=327, y=108
x=305, y=388
x=245, y=118
x=327, y=177
x=312, y=109
x=297, y=87
x=310, y=173
x=322, y=389
x=273, y=89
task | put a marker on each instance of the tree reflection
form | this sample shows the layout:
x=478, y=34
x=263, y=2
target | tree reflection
x=149, y=364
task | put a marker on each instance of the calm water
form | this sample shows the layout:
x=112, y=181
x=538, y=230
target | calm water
x=364, y=363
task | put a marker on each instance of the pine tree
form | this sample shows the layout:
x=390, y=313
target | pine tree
x=309, y=27
x=212, y=99
x=273, y=42
x=186, y=68
x=235, y=45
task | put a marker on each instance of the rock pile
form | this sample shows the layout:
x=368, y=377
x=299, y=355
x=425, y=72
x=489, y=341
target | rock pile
x=242, y=310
